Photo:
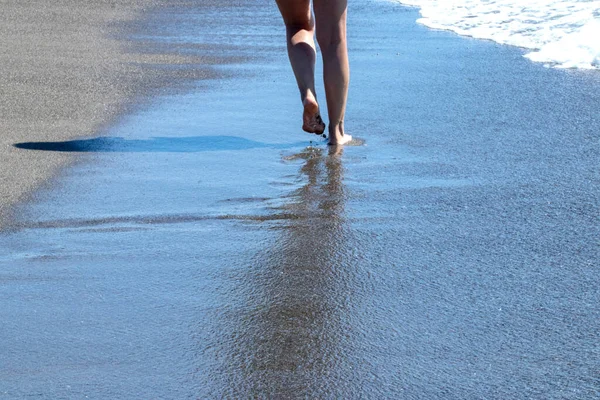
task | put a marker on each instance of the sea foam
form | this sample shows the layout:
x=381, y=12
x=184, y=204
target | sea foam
x=559, y=33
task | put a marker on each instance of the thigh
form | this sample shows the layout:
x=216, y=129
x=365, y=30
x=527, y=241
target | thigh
x=295, y=12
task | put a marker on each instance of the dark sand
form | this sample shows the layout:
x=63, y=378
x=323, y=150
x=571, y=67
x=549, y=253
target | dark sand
x=204, y=250
x=67, y=71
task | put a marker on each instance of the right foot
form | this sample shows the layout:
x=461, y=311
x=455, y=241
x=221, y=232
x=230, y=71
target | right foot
x=311, y=119
x=337, y=137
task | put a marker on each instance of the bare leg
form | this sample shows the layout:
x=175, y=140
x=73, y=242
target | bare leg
x=299, y=24
x=330, y=18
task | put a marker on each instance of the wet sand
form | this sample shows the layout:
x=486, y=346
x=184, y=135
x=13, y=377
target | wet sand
x=69, y=71
x=196, y=252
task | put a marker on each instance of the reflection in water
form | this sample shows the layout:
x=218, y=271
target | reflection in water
x=291, y=325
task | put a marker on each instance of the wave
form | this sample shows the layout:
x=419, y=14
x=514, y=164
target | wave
x=559, y=33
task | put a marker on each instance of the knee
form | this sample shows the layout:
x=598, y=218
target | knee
x=299, y=24
x=331, y=37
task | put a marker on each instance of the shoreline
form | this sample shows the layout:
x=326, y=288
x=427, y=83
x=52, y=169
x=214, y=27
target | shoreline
x=72, y=70
x=202, y=249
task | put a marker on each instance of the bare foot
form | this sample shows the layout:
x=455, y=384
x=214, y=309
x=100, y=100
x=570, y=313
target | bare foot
x=311, y=119
x=337, y=137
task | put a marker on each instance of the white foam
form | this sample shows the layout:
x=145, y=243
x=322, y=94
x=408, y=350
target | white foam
x=560, y=33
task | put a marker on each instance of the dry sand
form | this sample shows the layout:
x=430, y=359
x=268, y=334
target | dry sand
x=67, y=71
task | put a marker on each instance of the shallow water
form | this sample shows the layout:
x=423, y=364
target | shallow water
x=207, y=250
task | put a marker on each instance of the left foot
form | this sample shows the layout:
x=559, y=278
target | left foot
x=311, y=119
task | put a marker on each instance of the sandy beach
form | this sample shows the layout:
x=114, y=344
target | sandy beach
x=69, y=71
x=198, y=248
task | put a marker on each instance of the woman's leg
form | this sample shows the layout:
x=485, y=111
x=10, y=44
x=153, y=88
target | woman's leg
x=299, y=24
x=330, y=18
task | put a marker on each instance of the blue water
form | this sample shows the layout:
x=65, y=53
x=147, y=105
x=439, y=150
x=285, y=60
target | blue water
x=205, y=247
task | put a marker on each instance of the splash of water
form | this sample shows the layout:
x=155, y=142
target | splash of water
x=560, y=33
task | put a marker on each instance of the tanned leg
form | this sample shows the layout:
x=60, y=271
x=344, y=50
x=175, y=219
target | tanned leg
x=330, y=18
x=300, y=31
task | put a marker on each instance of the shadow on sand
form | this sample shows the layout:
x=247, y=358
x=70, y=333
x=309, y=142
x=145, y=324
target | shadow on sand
x=191, y=144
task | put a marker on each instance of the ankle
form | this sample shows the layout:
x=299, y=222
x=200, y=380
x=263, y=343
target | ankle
x=308, y=95
x=336, y=129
